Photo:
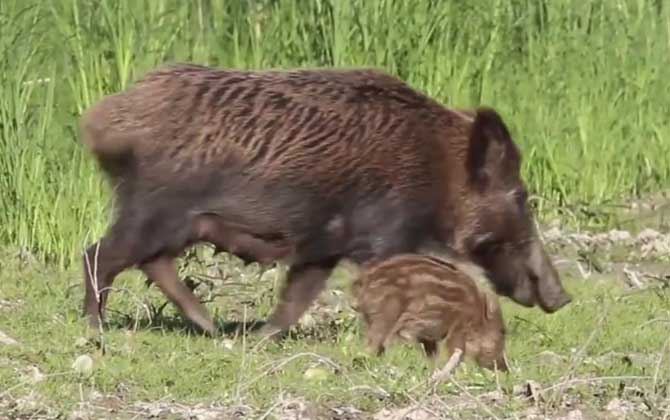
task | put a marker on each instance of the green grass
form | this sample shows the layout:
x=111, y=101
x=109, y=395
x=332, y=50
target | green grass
x=608, y=343
x=583, y=86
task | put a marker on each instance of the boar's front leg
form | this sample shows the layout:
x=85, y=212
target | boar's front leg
x=162, y=271
x=303, y=284
x=378, y=233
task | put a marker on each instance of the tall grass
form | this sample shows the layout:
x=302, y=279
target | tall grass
x=583, y=86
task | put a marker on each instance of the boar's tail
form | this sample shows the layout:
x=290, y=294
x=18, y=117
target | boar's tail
x=110, y=144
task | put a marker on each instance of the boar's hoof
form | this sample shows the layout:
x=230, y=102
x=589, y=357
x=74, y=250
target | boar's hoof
x=271, y=332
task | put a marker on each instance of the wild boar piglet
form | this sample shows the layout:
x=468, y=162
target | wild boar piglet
x=427, y=299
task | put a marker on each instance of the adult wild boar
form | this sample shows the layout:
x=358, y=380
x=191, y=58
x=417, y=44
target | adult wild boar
x=270, y=158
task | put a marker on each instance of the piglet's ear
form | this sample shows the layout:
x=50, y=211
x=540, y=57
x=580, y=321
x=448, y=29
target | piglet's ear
x=491, y=152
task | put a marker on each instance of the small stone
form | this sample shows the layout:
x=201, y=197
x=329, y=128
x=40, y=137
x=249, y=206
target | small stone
x=581, y=239
x=618, y=407
x=647, y=235
x=574, y=415
x=155, y=411
x=619, y=236
x=316, y=374
x=34, y=375
x=493, y=396
x=406, y=413
x=271, y=276
x=530, y=389
x=227, y=343
x=296, y=409
x=7, y=340
x=83, y=365
x=553, y=234
x=549, y=357
x=307, y=321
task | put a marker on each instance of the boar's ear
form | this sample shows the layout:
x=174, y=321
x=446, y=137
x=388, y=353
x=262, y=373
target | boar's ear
x=491, y=152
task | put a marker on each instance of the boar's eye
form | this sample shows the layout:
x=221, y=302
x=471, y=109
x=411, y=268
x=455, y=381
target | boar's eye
x=487, y=243
x=521, y=196
x=483, y=240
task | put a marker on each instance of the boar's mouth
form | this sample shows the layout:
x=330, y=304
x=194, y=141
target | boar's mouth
x=544, y=281
x=531, y=291
x=550, y=298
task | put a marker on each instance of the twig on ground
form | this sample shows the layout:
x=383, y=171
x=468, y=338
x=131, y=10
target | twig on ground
x=416, y=407
x=288, y=360
x=138, y=301
x=7, y=340
x=578, y=357
x=475, y=399
x=271, y=409
x=93, y=279
x=440, y=374
x=633, y=278
x=653, y=321
x=8, y=391
x=452, y=363
x=585, y=274
x=666, y=347
x=666, y=416
x=378, y=389
x=243, y=363
x=573, y=381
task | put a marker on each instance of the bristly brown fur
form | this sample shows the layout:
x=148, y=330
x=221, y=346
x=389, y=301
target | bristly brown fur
x=427, y=300
x=271, y=157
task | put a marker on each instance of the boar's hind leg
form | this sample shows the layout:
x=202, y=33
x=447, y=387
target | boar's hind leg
x=135, y=238
x=162, y=271
x=102, y=261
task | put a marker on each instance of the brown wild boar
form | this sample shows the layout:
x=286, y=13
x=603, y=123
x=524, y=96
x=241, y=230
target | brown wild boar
x=426, y=299
x=274, y=155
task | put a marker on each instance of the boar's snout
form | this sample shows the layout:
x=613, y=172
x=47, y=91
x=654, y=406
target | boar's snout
x=500, y=364
x=523, y=294
x=528, y=277
x=545, y=281
x=492, y=360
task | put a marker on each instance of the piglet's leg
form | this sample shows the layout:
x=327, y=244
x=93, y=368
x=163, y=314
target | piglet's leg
x=383, y=327
x=452, y=363
x=429, y=347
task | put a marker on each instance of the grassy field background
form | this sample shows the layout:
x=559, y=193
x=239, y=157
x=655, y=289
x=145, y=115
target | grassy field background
x=583, y=86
